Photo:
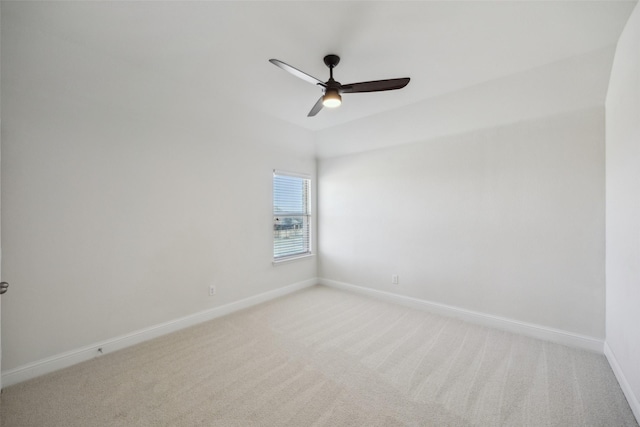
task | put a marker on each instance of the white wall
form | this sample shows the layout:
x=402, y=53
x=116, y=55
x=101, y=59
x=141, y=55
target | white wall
x=507, y=221
x=623, y=212
x=122, y=203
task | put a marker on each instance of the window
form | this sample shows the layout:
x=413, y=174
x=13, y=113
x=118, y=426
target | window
x=291, y=215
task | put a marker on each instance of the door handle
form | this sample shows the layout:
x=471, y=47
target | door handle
x=3, y=287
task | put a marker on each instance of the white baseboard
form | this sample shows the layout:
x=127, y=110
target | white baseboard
x=69, y=358
x=634, y=403
x=516, y=326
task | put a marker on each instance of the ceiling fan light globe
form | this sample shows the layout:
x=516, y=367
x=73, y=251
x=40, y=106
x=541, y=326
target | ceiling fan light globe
x=331, y=99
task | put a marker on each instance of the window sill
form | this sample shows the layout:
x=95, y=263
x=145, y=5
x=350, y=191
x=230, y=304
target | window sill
x=292, y=258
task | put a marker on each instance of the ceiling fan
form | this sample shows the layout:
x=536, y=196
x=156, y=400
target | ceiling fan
x=332, y=89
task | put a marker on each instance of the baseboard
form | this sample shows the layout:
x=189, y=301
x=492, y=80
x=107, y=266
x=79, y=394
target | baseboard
x=632, y=399
x=89, y=352
x=528, y=329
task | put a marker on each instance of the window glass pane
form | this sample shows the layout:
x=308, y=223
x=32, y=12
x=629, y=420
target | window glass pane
x=288, y=194
x=290, y=235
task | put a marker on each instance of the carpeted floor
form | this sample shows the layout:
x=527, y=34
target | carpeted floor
x=322, y=357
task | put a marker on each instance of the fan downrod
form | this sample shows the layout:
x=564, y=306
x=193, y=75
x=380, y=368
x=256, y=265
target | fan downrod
x=331, y=60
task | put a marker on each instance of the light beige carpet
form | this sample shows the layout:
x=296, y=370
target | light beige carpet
x=322, y=357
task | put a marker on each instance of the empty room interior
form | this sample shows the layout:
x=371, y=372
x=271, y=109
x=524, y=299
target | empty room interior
x=193, y=233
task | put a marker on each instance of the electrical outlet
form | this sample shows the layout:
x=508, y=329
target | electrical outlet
x=212, y=290
x=394, y=279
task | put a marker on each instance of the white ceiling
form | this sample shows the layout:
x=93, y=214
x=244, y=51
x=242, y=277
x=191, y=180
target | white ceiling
x=220, y=50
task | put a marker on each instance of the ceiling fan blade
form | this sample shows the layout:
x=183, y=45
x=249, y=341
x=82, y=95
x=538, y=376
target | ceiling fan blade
x=375, y=86
x=316, y=108
x=300, y=74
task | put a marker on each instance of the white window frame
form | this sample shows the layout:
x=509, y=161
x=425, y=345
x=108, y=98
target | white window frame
x=307, y=213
